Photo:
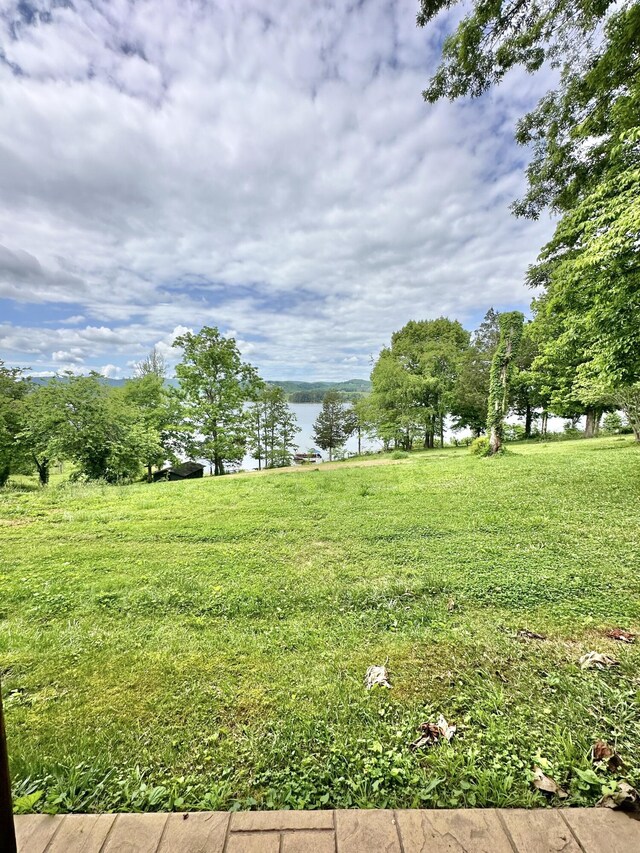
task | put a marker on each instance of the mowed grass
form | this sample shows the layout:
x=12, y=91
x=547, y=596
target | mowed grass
x=204, y=644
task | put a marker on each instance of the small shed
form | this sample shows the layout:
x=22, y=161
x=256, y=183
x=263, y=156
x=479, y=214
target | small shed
x=184, y=471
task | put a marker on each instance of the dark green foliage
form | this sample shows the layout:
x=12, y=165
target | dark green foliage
x=334, y=425
x=13, y=389
x=589, y=270
x=470, y=395
x=585, y=138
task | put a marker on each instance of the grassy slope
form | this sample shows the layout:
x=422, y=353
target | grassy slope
x=204, y=643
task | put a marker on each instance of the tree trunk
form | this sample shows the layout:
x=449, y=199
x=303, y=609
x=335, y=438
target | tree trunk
x=149, y=474
x=590, y=424
x=598, y=416
x=330, y=454
x=442, y=431
x=544, y=420
x=43, y=471
x=359, y=442
x=528, y=418
x=495, y=440
x=5, y=470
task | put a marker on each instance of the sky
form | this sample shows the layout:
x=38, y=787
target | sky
x=268, y=168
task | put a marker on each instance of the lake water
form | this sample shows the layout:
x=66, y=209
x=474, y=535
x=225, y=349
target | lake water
x=306, y=413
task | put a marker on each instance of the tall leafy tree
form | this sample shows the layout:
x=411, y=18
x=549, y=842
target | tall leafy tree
x=215, y=385
x=585, y=138
x=590, y=270
x=511, y=324
x=470, y=394
x=272, y=428
x=360, y=419
x=331, y=427
x=80, y=419
x=13, y=389
x=414, y=379
x=157, y=409
x=628, y=399
x=393, y=402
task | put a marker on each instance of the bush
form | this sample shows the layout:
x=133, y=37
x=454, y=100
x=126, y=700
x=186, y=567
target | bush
x=480, y=446
x=399, y=454
x=612, y=423
x=513, y=432
x=570, y=430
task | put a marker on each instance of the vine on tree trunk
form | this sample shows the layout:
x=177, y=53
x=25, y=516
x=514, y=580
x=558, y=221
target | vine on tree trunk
x=511, y=325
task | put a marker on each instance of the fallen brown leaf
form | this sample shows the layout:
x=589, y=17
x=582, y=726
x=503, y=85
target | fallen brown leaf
x=546, y=784
x=432, y=733
x=601, y=751
x=621, y=635
x=625, y=797
x=530, y=635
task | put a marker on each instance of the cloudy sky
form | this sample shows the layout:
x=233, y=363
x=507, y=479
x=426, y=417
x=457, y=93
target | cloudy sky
x=269, y=168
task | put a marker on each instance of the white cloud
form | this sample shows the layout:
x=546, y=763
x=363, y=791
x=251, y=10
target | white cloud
x=268, y=168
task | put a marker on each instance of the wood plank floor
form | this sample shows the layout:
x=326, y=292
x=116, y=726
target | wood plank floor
x=428, y=831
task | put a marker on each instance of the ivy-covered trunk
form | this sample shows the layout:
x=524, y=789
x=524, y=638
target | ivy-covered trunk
x=511, y=324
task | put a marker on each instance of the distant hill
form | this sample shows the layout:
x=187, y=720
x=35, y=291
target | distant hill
x=313, y=392
x=297, y=392
x=44, y=380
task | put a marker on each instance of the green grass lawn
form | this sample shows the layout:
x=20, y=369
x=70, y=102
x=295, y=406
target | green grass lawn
x=204, y=644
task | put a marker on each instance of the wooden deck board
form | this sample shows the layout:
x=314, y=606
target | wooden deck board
x=352, y=831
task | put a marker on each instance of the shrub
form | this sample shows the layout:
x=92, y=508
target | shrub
x=612, y=423
x=399, y=454
x=513, y=432
x=479, y=446
x=570, y=430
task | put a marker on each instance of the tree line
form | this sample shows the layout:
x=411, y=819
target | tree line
x=584, y=141
x=219, y=409
x=433, y=374
x=436, y=374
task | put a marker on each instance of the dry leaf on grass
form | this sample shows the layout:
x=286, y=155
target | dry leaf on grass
x=530, y=635
x=546, y=784
x=601, y=751
x=376, y=675
x=432, y=733
x=624, y=797
x=621, y=635
x=451, y=605
x=596, y=660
